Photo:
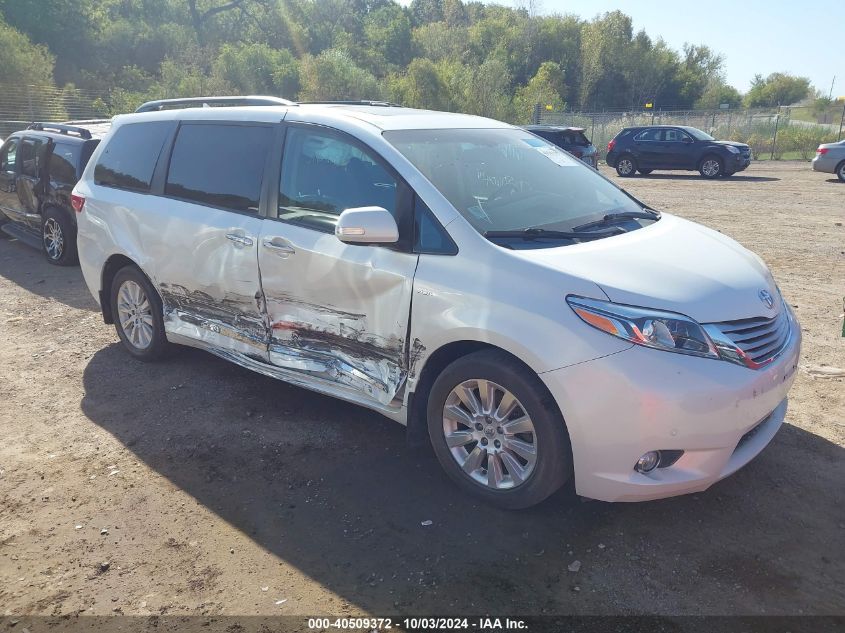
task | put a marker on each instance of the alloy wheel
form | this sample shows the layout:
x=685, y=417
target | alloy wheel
x=54, y=239
x=625, y=166
x=490, y=434
x=135, y=314
x=710, y=167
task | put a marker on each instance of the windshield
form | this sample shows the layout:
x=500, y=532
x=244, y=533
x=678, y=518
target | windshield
x=508, y=180
x=701, y=136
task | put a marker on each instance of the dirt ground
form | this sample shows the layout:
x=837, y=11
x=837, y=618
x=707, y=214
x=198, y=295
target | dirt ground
x=197, y=487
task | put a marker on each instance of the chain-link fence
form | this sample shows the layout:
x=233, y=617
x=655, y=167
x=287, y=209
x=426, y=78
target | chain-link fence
x=20, y=105
x=776, y=133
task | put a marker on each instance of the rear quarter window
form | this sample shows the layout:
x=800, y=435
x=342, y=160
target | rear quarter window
x=130, y=155
x=63, y=161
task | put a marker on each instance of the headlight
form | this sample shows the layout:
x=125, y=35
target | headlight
x=652, y=328
x=732, y=149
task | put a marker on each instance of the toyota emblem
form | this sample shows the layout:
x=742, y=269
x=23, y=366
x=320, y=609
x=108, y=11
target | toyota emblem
x=766, y=297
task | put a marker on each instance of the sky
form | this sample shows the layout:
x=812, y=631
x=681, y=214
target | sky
x=754, y=36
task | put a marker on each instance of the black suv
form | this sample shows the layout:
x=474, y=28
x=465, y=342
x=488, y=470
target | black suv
x=644, y=149
x=571, y=139
x=39, y=167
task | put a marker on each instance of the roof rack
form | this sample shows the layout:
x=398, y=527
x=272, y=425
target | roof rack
x=367, y=102
x=207, y=102
x=61, y=128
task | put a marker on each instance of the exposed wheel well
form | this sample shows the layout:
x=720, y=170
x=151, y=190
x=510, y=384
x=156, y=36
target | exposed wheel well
x=113, y=264
x=417, y=432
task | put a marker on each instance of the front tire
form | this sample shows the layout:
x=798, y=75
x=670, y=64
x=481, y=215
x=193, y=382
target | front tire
x=497, y=432
x=711, y=167
x=138, y=316
x=626, y=166
x=58, y=237
x=840, y=171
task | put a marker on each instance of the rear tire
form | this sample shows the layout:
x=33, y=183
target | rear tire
x=58, y=237
x=497, y=432
x=840, y=171
x=645, y=172
x=626, y=166
x=138, y=317
x=711, y=167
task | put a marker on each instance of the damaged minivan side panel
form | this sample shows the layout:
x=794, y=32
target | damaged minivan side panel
x=338, y=312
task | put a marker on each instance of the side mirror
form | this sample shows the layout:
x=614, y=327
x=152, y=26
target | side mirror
x=687, y=139
x=366, y=225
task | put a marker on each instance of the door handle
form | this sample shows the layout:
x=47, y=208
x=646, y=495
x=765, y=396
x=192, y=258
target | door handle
x=241, y=240
x=278, y=247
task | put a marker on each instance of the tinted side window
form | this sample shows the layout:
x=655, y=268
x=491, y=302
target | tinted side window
x=63, y=163
x=8, y=156
x=219, y=165
x=650, y=135
x=130, y=156
x=323, y=174
x=31, y=156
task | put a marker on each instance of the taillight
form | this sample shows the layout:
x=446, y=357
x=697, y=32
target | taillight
x=611, y=145
x=821, y=150
x=77, y=202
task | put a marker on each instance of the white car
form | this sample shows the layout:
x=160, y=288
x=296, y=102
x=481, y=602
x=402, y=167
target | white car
x=457, y=274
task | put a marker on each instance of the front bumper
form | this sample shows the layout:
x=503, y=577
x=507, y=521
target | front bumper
x=741, y=163
x=623, y=405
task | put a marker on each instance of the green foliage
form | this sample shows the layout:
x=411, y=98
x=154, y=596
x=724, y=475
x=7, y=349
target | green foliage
x=23, y=62
x=546, y=88
x=777, y=89
x=333, y=75
x=716, y=93
x=450, y=54
x=422, y=86
x=257, y=69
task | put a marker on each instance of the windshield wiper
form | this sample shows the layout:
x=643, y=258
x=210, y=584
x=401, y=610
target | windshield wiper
x=536, y=233
x=610, y=218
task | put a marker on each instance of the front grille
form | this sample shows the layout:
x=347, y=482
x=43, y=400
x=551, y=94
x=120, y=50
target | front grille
x=759, y=338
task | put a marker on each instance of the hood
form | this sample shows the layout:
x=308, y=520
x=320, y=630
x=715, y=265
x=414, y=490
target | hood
x=673, y=265
x=732, y=143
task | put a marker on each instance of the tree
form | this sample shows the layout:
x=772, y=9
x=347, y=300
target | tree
x=486, y=91
x=258, y=69
x=388, y=33
x=717, y=93
x=546, y=88
x=23, y=61
x=333, y=75
x=438, y=40
x=604, y=43
x=777, y=89
x=421, y=87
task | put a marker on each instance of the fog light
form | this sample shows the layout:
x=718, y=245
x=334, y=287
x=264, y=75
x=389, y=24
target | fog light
x=647, y=462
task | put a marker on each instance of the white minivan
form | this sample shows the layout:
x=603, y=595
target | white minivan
x=456, y=274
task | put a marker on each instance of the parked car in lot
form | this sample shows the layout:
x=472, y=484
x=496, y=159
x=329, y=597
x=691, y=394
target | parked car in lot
x=646, y=148
x=572, y=139
x=476, y=284
x=38, y=168
x=830, y=159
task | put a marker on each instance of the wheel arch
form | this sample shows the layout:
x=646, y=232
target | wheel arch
x=435, y=363
x=710, y=153
x=113, y=264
